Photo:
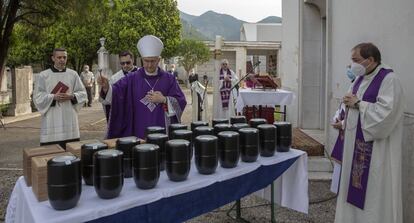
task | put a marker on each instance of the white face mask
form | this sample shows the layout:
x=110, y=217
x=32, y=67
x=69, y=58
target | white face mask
x=357, y=69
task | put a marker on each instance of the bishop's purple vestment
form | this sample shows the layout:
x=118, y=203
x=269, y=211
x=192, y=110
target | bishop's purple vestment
x=131, y=113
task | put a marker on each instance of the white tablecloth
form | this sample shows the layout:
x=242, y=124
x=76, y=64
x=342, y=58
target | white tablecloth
x=249, y=97
x=24, y=207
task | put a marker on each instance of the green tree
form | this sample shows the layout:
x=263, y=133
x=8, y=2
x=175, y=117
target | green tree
x=35, y=13
x=191, y=53
x=76, y=30
x=131, y=19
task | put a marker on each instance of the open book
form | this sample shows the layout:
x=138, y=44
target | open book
x=60, y=87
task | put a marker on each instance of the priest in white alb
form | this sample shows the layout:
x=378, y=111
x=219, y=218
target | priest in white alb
x=225, y=92
x=370, y=186
x=58, y=95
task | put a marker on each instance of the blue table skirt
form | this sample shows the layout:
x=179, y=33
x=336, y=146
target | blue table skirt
x=185, y=206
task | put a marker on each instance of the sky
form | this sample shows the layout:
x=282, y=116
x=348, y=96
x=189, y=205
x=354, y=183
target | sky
x=247, y=10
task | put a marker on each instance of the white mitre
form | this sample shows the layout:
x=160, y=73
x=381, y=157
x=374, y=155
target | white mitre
x=150, y=46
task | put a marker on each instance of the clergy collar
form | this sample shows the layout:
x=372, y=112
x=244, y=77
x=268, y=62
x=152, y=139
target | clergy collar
x=151, y=74
x=374, y=71
x=133, y=70
x=54, y=69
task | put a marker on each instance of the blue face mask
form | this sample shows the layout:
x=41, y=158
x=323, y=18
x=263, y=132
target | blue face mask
x=350, y=74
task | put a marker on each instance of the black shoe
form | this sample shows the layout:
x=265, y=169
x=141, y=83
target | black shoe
x=89, y=105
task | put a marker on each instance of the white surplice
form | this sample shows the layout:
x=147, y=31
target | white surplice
x=219, y=111
x=59, y=122
x=381, y=122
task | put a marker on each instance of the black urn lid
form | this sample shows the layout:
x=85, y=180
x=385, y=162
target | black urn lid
x=94, y=146
x=248, y=131
x=127, y=140
x=238, y=126
x=177, y=150
x=182, y=134
x=219, y=121
x=146, y=155
x=267, y=130
x=283, y=125
x=228, y=134
x=196, y=124
x=154, y=137
x=203, y=130
x=237, y=119
x=254, y=122
x=63, y=170
x=108, y=161
x=154, y=129
x=222, y=127
x=206, y=145
x=175, y=126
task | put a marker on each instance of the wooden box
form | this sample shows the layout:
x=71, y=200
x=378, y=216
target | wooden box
x=39, y=174
x=75, y=147
x=110, y=142
x=32, y=152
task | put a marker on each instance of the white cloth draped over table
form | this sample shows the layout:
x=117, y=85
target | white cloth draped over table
x=59, y=122
x=249, y=97
x=381, y=122
x=291, y=192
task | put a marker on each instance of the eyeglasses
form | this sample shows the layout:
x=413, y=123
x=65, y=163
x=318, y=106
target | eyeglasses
x=126, y=63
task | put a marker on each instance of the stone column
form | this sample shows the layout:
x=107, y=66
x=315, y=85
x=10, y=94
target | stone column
x=21, y=91
x=4, y=94
x=103, y=65
x=241, y=54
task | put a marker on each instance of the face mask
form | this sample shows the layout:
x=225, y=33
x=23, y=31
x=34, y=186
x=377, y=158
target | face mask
x=350, y=74
x=357, y=69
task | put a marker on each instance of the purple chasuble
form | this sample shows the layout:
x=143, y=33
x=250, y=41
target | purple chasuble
x=363, y=150
x=131, y=113
x=225, y=89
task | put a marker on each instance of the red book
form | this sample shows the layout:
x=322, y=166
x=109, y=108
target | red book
x=60, y=87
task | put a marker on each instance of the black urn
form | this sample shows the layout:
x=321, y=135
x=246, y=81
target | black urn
x=283, y=136
x=237, y=119
x=219, y=121
x=87, y=151
x=254, y=122
x=203, y=130
x=205, y=150
x=125, y=145
x=160, y=140
x=154, y=129
x=177, y=163
x=196, y=124
x=228, y=149
x=184, y=134
x=267, y=139
x=222, y=127
x=107, y=173
x=146, y=165
x=249, y=144
x=175, y=126
x=64, y=181
x=237, y=126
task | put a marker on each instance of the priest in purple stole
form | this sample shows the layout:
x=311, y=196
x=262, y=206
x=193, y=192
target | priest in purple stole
x=147, y=97
x=370, y=186
x=225, y=96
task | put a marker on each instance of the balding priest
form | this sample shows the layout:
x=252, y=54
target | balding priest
x=147, y=97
